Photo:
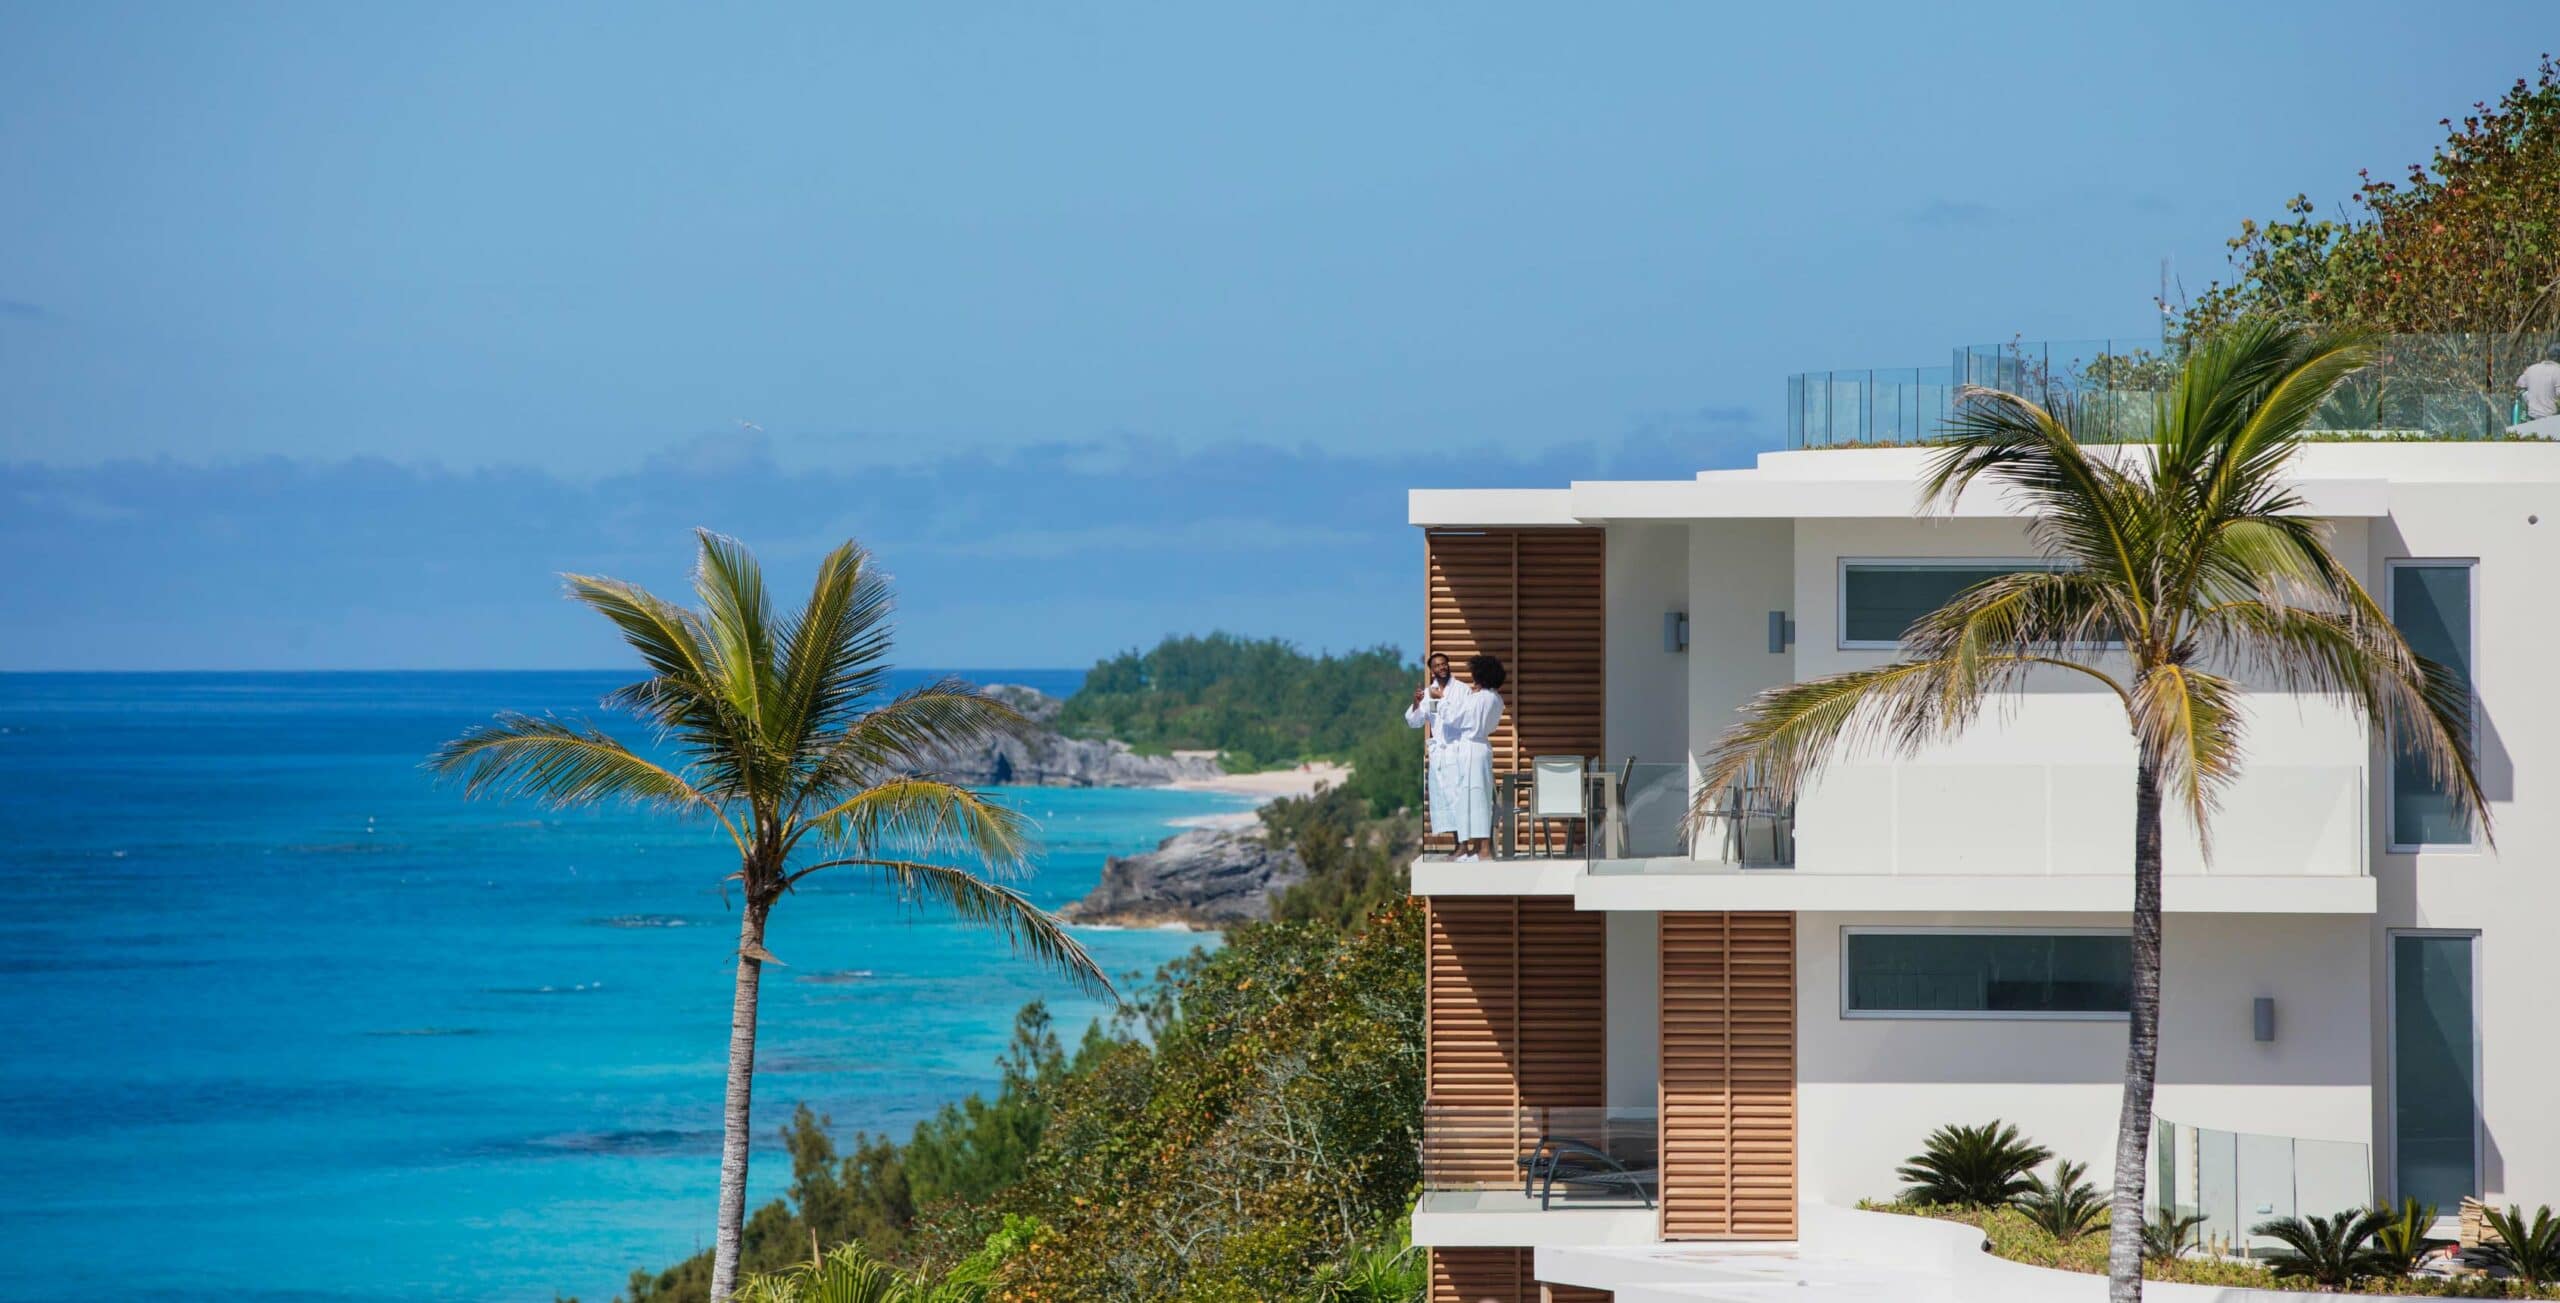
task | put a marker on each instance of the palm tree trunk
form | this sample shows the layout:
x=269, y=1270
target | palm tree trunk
x=736, y=1120
x=2142, y=1046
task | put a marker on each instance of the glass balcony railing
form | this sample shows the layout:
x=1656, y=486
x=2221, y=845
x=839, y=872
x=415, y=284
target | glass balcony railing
x=1636, y=810
x=2446, y=386
x=1479, y=1158
x=2237, y=1180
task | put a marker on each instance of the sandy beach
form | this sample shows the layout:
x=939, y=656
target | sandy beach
x=1269, y=785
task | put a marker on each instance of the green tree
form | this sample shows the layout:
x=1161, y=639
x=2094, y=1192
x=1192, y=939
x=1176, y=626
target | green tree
x=2464, y=250
x=1260, y=701
x=783, y=735
x=2173, y=564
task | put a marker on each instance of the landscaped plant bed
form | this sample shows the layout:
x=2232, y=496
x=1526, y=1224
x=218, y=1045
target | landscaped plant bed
x=2007, y=1233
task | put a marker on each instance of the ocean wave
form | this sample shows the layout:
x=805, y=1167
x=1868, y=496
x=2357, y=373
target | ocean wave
x=837, y=977
x=641, y=920
x=580, y=988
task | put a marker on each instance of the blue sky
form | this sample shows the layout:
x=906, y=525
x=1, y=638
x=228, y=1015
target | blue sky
x=330, y=333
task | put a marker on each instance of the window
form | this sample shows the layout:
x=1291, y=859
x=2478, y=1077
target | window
x=2431, y=603
x=1881, y=599
x=2435, y=1057
x=1984, y=973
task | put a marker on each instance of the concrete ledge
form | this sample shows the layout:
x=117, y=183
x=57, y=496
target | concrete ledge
x=1498, y=1219
x=1687, y=885
x=1437, y=875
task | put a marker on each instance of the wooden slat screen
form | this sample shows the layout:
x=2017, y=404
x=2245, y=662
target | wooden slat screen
x=1728, y=1076
x=1499, y=1276
x=1515, y=1018
x=1537, y=599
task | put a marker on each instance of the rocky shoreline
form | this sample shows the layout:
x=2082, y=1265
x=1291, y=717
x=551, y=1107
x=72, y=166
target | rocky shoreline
x=1205, y=879
x=1043, y=757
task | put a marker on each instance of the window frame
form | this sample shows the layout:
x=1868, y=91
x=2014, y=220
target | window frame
x=1850, y=1014
x=2391, y=568
x=1840, y=586
x=2391, y=1052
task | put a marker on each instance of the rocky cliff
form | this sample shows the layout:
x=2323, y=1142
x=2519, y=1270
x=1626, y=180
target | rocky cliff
x=1206, y=878
x=1043, y=758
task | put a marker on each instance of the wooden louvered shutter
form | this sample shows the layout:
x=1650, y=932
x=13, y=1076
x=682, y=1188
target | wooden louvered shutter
x=1515, y=1022
x=1499, y=1276
x=1728, y=1076
x=1537, y=599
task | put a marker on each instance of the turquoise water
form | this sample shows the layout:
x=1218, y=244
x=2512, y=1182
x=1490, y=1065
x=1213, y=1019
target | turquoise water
x=283, y=1020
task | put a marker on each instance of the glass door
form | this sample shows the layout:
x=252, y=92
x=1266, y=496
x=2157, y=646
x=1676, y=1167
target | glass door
x=2435, y=1062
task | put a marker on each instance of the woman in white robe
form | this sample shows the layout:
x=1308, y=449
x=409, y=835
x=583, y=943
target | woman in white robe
x=1437, y=691
x=1461, y=756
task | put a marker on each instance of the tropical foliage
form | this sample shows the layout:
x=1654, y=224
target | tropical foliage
x=2400, y=1239
x=2176, y=566
x=2528, y=1249
x=2328, y=1251
x=2064, y=1207
x=2469, y=242
x=1261, y=702
x=779, y=732
x=1983, y=1166
x=2168, y=1235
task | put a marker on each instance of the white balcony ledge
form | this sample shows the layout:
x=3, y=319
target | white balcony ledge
x=1508, y=1219
x=1439, y=875
x=1694, y=885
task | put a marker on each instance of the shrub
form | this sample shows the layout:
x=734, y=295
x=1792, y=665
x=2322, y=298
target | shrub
x=2064, y=1208
x=2401, y=1239
x=1974, y=1167
x=2168, y=1235
x=2527, y=1250
x=2327, y=1251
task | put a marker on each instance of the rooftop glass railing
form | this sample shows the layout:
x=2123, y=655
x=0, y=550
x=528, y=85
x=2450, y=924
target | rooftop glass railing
x=2446, y=386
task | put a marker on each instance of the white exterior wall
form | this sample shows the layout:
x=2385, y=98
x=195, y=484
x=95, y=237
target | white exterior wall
x=1871, y=1089
x=1739, y=571
x=2509, y=896
x=1647, y=687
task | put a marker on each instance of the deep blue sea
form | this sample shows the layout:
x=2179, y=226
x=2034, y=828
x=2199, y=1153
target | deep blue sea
x=282, y=1019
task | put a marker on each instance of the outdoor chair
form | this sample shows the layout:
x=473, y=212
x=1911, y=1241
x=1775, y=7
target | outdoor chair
x=1559, y=793
x=1558, y=1160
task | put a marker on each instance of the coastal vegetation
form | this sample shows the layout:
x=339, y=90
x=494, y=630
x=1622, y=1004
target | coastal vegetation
x=2169, y=569
x=782, y=735
x=1245, y=1129
x=1260, y=703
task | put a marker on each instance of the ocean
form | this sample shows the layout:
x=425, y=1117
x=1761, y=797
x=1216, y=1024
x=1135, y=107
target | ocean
x=281, y=1019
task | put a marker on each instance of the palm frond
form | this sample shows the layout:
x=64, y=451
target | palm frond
x=737, y=613
x=1031, y=930
x=2188, y=720
x=911, y=732
x=669, y=639
x=2082, y=509
x=834, y=650
x=922, y=816
x=563, y=765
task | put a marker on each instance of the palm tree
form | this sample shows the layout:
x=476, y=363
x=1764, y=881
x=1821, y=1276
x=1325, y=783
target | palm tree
x=782, y=735
x=2173, y=567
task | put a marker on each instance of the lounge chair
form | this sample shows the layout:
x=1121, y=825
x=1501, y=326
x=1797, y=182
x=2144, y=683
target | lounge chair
x=1557, y=1159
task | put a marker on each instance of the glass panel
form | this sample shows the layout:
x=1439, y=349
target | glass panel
x=2434, y=1114
x=1988, y=972
x=1880, y=601
x=2432, y=606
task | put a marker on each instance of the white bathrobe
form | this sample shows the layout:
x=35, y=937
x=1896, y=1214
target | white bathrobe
x=1459, y=734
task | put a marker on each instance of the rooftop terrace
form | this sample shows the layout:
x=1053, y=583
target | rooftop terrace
x=2421, y=386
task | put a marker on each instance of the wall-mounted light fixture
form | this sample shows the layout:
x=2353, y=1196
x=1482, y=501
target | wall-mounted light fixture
x=2262, y=1017
x=1782, y=632
x=1675, y=631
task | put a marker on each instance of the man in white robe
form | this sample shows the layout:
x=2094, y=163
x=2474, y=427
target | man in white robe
x=1459, y=719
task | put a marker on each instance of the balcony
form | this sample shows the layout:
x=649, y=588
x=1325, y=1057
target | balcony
x=1537, y=1176
x=2448, y=386
x=2289, y=838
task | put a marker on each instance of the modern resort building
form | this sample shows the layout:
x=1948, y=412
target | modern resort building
x=1738, y=1034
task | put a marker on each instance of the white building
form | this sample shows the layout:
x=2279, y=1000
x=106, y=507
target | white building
x=2357, y=992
